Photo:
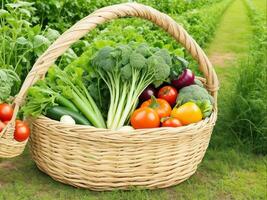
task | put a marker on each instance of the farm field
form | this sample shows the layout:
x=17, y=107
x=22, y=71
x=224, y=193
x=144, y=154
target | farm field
x=230, y=168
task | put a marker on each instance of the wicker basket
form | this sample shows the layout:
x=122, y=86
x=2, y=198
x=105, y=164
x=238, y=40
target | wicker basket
x=101, y=159
x=9, y=147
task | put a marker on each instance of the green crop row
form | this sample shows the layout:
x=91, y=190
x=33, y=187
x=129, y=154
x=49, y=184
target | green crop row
x=248, y=105
x=62, y=14
x=27, y=30
x=200, y=24
x=20, y=44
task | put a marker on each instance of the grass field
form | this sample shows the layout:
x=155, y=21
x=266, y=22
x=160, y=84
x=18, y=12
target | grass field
x=261, y=5
x=227, y=171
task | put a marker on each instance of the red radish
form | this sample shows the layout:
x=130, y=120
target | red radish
x=185, y=79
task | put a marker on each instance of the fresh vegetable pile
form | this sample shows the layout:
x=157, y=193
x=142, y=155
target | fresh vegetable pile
x=113, y=81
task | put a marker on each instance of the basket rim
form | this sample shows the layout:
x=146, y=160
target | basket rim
x=84, y=132
x=89, y=127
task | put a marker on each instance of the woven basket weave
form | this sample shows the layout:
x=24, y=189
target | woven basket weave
x=101, y=159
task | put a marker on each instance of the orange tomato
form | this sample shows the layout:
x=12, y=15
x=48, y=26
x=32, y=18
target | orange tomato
x=145, y=118
x=187, y=113
x=161, y=106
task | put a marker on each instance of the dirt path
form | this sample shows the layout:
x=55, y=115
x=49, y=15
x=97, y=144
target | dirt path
x=232, y=36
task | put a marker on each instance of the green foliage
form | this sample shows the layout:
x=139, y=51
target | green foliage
x=41, y=97
x=20, y=42
x=60, y=15
x=200, y=23
x=8, y=82
x=23, y=38
x=248, y=106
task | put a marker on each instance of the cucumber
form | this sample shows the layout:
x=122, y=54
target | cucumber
x=56, y=112
x=62, y=101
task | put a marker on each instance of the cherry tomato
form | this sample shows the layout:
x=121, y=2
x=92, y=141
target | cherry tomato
x=2, y=126
x=168, y=93
x=145, y=118
x=187, y=113
x=19, y=122
x=161, y=106
x=6, y=112
x=22, y=132
x=171, y=122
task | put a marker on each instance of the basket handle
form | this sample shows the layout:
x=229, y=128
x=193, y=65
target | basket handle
x=105, y=14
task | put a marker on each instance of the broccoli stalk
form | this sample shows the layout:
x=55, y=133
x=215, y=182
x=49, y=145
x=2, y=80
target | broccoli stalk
x=127, y=73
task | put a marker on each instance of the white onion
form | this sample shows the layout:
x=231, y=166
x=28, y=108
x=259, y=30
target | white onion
x=66, y=119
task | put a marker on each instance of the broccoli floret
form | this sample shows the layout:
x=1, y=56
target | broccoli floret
x=126, y=72
x=144, y=50
x=165, y=55
x=154, y=49
x=125, y=54
x=104, y=59
x=198, y=95
x=137, y=60
x=160, y=68
x=198, y=82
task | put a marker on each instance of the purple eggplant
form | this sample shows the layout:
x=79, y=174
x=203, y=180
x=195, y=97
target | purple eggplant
x=147, y=93
x=185, y=79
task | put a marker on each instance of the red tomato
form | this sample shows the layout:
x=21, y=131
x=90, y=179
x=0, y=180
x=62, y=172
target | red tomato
x=19, y=122
x=145, y=118
x=168, y=93
x=171, y=122
x=2, y=126
x=161, y=106
x=22, y=132
x=6, y=112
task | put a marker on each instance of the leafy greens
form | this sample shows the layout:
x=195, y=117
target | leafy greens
x=127, y=70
